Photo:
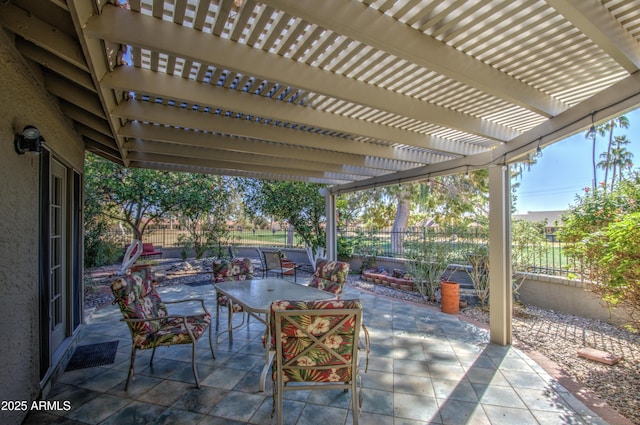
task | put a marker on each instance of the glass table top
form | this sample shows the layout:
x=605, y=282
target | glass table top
x=258, y=294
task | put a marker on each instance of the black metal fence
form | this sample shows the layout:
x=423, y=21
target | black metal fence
x=544, y=257
x=172, y=238
x=384, y=242
x=548, y=258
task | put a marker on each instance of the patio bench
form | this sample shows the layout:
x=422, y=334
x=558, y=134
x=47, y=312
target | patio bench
x=148, y=250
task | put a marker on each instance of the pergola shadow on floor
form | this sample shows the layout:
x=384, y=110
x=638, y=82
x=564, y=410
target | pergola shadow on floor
x=425, y=367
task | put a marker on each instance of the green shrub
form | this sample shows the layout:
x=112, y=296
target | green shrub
x=427, y=264
x=603, y=232
x=99, y=250
x=479, y=272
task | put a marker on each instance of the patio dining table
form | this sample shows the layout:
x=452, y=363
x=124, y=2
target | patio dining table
x=255, y=297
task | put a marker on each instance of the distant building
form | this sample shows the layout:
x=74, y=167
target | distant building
x=553, y=220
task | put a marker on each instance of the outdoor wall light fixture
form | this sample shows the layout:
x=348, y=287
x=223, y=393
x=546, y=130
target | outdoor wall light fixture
x=29, y=141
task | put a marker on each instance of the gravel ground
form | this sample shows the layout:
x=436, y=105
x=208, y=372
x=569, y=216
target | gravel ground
x=554, y=335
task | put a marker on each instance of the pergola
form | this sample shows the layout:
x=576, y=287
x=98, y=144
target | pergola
x=353, y=94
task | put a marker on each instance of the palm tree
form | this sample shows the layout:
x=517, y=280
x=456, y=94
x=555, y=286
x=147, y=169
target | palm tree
x=623, y=122
x=621, y=158
x=591, y=135
x=617, y=159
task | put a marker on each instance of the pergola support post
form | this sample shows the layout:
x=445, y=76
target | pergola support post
x=332, y=236
x=500, y=295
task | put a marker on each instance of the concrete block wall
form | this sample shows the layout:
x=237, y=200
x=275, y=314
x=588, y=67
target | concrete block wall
x=567, y=296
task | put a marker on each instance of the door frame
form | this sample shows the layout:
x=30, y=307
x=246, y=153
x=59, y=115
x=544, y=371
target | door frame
x=72, y=264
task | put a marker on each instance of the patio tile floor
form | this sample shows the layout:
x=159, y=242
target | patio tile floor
x=425, y=367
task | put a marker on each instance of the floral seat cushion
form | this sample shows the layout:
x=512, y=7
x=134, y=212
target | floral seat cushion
x=174, y=331
x=330, y=276
x=235, y=269
x=138, y=299
x=229, y=270
x=326, y=362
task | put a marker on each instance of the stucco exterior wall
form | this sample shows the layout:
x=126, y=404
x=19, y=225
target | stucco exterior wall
x=24, y=101
x=567, y=296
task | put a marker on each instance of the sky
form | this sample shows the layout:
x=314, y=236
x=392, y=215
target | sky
x=565, y=169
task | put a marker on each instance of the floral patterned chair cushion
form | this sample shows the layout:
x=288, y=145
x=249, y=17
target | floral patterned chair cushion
x=306, y=360
x=152, y=325
x=150, y=322
x=235, y=269
x=138, y=300
x=316, y=346
x=227, y=270
x=330, y=276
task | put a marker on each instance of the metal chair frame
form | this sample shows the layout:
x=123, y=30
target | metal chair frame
x=273, y=263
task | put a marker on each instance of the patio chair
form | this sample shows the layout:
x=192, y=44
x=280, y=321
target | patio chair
x=263, y=266
x=330, y=276
x=150, y=323
x=316, y=348
x=227, y=270
x=274, y=264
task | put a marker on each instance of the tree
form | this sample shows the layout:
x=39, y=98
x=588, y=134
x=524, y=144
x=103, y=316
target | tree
x=591, y=135
x=204, y=207
x=300, y=204
x=451, y=200
x=602, y=235
x=621, y=159
x=350, y=208
x=135, y=197
x=595, y=210
x=623, y=122
x=376, y=206
x=602, y=130
x=618, y=159
x=401, y=221
x=478, y=272
x=100, y=249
